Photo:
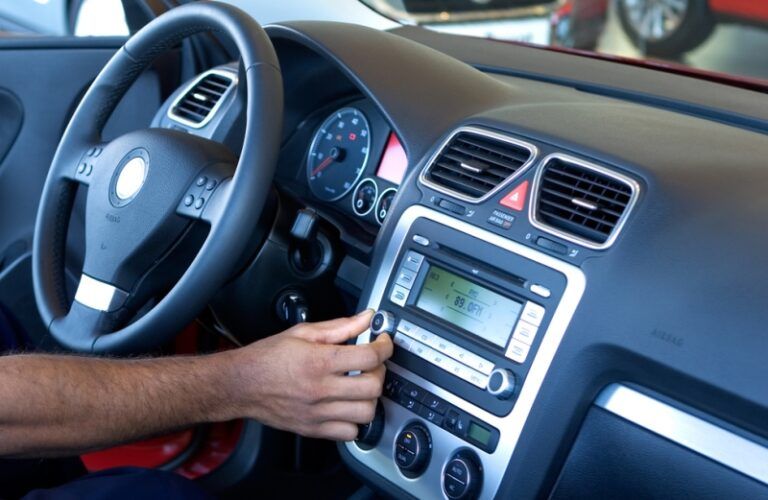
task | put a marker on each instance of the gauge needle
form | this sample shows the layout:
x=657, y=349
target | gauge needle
x=328, y=160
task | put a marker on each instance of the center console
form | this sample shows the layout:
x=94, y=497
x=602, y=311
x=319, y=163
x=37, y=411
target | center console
x=476, y=319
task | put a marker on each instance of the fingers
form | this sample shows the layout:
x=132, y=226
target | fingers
x=359, y=387
x=336, y=331
x=335, y=431
x=362, y=357
x=357, y=412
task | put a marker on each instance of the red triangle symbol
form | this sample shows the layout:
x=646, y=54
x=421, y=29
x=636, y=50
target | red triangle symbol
x=516, y=198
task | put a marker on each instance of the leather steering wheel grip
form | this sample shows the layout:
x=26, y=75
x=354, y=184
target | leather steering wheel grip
x=248, y=189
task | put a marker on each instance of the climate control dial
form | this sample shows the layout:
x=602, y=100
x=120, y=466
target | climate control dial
x=463, y=476
x=413, y=449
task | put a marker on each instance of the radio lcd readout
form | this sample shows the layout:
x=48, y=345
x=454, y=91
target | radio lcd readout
x=469, y=306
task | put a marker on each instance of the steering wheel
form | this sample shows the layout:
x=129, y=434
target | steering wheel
x=147, y=198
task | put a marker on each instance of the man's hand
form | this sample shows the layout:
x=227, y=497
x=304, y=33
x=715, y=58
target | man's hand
x=297, y=380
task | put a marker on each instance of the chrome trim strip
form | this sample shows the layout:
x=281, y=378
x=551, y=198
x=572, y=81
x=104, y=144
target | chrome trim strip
x=532, y=149
x=233, y=78
x=99, y=295
x=712, y=441
x=634, y=186
x=495, y=465
x=375, y=196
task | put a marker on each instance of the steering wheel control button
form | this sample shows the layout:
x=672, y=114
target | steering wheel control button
x=382, y=322
x=501, y=383
x=82, y=168
x=462, y=476
x=533, y=313
x=413, y=449
x=199, y=203
x=369, y=435
x=517, y=197
x=201, y=181
x=211, y=185
x=399, y=295
x=420, y=240
x=189, y=200
x=202, y=187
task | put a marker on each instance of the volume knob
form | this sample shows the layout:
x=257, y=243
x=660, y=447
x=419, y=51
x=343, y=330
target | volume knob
x=382, y=322
x=501, y=383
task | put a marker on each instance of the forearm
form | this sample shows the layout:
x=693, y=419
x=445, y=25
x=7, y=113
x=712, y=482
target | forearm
x=56, y=405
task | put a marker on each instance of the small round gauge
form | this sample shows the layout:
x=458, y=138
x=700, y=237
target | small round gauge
x=365, y=197
x=338, y=154
x=384, y=204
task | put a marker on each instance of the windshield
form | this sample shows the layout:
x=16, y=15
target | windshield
x=723, y=36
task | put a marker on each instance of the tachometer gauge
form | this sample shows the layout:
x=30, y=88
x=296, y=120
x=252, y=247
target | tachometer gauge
x=338, y=154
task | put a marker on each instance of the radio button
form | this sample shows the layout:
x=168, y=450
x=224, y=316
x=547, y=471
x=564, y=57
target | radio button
x=413, y=261
x=405, y=278
x=382, y=322
x=533, y=313
x=422, y=351
x=407, y=328
x=541, y=290
x=517, y=351
x=525, y=332
x=403, y=341
x=399, y=295
x=420, y=240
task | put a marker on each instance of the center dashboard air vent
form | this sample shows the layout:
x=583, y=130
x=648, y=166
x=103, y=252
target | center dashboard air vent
x=473, y=163
x=198, y=103
x=582, y=202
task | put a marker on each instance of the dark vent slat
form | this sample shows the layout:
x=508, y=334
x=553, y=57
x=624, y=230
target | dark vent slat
x=577, y=193
x=583, y=214
x=496, y=160
x=212, y=87
x=458, y=173
x=563, y=182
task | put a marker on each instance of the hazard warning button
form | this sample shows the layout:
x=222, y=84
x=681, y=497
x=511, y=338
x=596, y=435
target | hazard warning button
x=516, y=198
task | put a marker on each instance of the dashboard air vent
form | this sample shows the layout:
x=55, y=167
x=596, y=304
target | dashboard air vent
x=196, y=106
x=474, y=163
x=582, y=202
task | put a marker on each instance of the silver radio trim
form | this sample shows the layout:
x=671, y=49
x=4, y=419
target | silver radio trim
x=532, y=149
x=428, y=485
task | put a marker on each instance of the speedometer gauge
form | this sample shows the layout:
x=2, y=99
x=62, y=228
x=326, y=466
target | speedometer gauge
x=338, y=154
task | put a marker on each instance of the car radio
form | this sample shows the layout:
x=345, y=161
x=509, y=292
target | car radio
x=475, y=319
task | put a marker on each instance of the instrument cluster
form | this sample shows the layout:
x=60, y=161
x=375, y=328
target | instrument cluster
x=356, y=162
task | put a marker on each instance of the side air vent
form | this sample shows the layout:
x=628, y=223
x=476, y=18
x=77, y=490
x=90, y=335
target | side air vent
x=473, y=163
x=582, y=202
x=197, y=105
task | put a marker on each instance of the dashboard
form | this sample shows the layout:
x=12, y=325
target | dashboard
x=560, y=265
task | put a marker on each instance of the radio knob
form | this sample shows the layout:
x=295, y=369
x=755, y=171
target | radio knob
x=413, y=449
x=382, y=322
x=501, y=383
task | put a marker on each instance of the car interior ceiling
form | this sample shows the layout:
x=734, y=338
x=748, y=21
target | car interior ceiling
x=609, y=212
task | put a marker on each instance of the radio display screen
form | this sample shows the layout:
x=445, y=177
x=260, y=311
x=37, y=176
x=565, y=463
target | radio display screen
x=469, y=306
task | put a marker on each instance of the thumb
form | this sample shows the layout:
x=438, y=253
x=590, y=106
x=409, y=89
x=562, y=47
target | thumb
x=337, y=331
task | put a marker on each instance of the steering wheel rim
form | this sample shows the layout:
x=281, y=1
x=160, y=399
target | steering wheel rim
x=241, y=198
